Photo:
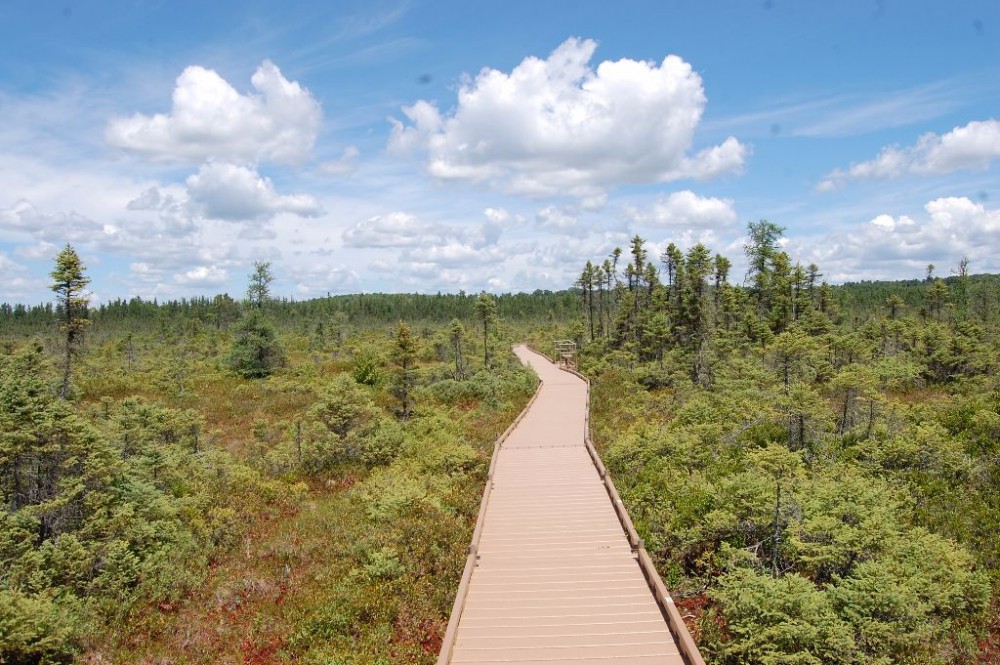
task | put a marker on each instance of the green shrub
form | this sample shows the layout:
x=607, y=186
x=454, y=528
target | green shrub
x=43, y=629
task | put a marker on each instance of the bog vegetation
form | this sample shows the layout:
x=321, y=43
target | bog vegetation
x=813, y=467
x=257, y=481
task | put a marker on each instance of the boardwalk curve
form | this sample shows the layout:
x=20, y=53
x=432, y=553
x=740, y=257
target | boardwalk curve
x=554, y=575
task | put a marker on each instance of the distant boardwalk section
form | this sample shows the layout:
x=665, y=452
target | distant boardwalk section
x=556, y=580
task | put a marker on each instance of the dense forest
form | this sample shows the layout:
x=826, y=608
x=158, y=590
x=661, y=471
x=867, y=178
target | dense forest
x=814, y=467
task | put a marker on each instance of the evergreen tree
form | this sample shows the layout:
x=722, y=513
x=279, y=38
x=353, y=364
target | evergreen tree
x=827, y=305
x=811, y=281
x=637, y=276
x=224, y=311
x=255, y=352
x=937, y=298
x=599, y=279
x=69, y=283
x=486, y=311
x=962, y=288
x=610, y=277
x=696, y=309
x=673, y=261
x=895, y=304
x=456, y=334
x=722, y=268
x=781, y=292
x=761, y=251
x=586, y=284
x=259, y=290
x=404, y=356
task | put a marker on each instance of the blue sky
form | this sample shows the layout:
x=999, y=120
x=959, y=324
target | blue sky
x=439, y=146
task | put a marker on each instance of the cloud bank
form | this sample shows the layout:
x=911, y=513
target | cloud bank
x=971, y=147
x=559, y=126
x=238, y=193
x=684, y=209
x=890, y=246
x=209, y=119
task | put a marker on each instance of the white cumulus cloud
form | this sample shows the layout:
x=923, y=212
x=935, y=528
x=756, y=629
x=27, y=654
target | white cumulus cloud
x=59, y=227
x=403, y=230
x=236, y=193
x=396, y=229
x=210, y=119
x=685, y=209
x=556, y=220
x=316, y=277
x=970, y=147
x=890, y=246
x=497, y=221
x=203, y=277
x=560, y=126
x=455, y=254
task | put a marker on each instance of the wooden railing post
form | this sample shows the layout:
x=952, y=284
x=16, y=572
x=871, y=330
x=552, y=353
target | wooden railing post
x=450, y=633
x=675, y=623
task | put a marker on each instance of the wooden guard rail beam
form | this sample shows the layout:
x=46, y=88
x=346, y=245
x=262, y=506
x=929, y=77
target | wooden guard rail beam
x=448, y=641
x=660, y=597
x=682, y=636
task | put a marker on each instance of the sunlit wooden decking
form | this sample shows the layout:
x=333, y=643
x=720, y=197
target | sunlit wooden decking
x=556, y=579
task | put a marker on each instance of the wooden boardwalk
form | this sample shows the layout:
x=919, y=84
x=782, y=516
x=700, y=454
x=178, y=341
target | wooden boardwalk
x=556, y=579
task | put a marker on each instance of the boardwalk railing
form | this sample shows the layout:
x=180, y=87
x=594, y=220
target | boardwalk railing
x=675, y=622
x=450, y=633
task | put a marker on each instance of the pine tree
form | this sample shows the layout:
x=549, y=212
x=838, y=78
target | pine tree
x=781, y=295
x=486, y=310
x=722, y=268
x=255, y=353
x=456, y=333
x=224, y=311
x=937, y=297
x=637, y=278
x=69, y=284
x=404, y=356
x=598, y=278
x=673, y=261
x=962, y=288
x=259, y=290
x=586, y=284
x=895, y=304
x=761, y=251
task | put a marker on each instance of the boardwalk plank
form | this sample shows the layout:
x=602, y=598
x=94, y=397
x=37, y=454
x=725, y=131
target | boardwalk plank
x=556, y=580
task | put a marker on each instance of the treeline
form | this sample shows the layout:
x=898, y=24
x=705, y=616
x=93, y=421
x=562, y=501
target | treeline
x=815, y=468
x=359, y=310
x=965, y=296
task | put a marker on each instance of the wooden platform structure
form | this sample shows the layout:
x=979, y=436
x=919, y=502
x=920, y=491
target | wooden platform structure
x=566, y=352
x=556, y=573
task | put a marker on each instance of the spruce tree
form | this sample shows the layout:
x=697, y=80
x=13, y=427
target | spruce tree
x=486, y=310
x=256, y=352
x=761, y=251
x=69, y=283
x=456, y=333
x=404, y=356
x=259, y=289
